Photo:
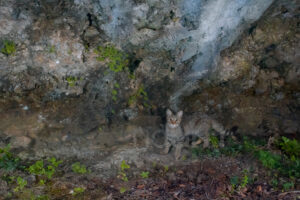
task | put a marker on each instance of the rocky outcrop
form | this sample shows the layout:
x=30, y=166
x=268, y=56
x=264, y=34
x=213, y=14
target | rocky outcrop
x=256, y=83
x=73, y=74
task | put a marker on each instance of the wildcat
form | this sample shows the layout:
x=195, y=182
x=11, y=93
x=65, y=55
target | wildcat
x=174, y=135
x=197, y=124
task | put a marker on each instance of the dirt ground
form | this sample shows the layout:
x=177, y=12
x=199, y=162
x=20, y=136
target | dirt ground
x=220, y=177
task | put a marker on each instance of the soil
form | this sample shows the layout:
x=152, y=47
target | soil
x=208, y=178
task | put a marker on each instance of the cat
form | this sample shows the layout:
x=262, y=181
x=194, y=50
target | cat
x=174, y=135
x=200, y=125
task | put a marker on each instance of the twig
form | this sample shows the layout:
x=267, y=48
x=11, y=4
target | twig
x=285, y=193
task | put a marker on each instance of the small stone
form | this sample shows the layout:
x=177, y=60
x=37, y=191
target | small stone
x=20, y=141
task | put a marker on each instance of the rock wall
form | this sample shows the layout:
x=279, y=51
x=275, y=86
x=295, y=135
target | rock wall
x=255, y=86
x=57, y=92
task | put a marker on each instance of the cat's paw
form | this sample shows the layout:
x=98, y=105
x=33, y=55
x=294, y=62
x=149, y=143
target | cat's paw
x=166, y=150
x=196, y=143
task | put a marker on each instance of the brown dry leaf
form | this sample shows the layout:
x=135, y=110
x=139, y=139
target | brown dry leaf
x=259, y=188
x=211, y=171
x=140, y=186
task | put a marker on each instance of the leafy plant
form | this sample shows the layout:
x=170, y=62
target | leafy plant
x=274, y=182
x=145, y=174
x=21, y=184
x=123, y=176
x=239, y=182
x=234, y=181
x=245, y=180
x=55, y=162
x=117, y=60
x=78, y=190
x=124, y=165
x=166, y=168
x=71, y=81
x=214, y=141
x=140, y=94
x=7, y=160
x=287, y=186
x=114, y=93
x=52, y=49
x=39, y=169
x=79, y=168
x=40, y=197
x=8, y=48
x=122, y=173
x=123, y=190
x=268, y=159
x=290, y=147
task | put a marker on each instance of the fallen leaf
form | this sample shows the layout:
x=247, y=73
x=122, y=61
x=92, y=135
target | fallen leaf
x=140, y=187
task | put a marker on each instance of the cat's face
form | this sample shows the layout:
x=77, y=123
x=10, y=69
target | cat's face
x=173, y=121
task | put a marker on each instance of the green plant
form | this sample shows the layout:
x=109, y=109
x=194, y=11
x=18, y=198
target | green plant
x=71, y=81
x=117, y=60
x=9, y=179
x=268, y=159
x=52, y=49
x=124, y=165
x=8, y=48
x=114, y=92
x=274, y=183
x=122, y=190
x=214, y=141
x=245, y=180
x=39, y=169
x=123, y=176
x=79, y=168
x=290, y=147
x=249, y=145
x=8, y=161
x=145, y=174
x=234, y=181
x=55, y=162
x=21, y=184
x=140, y=94
x=114, y=95
x=166, y=168
x=287, y=186
x=122, y=173
x=40, y=197
x=78, y=190
x=239, y=182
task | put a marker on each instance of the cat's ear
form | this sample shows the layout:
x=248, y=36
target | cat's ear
x=169, y=112
x=179, y=114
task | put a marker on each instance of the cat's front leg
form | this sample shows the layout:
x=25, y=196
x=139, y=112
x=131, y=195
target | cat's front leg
x=206, y=142
x=178, y=151
x=167, y=147
x=222, y=136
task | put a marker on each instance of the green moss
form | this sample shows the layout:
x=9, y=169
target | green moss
x=117, y=60
x=9, y=47
x=71, y=81
x=52, y=49
x=78, y=191
x=140, y=94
